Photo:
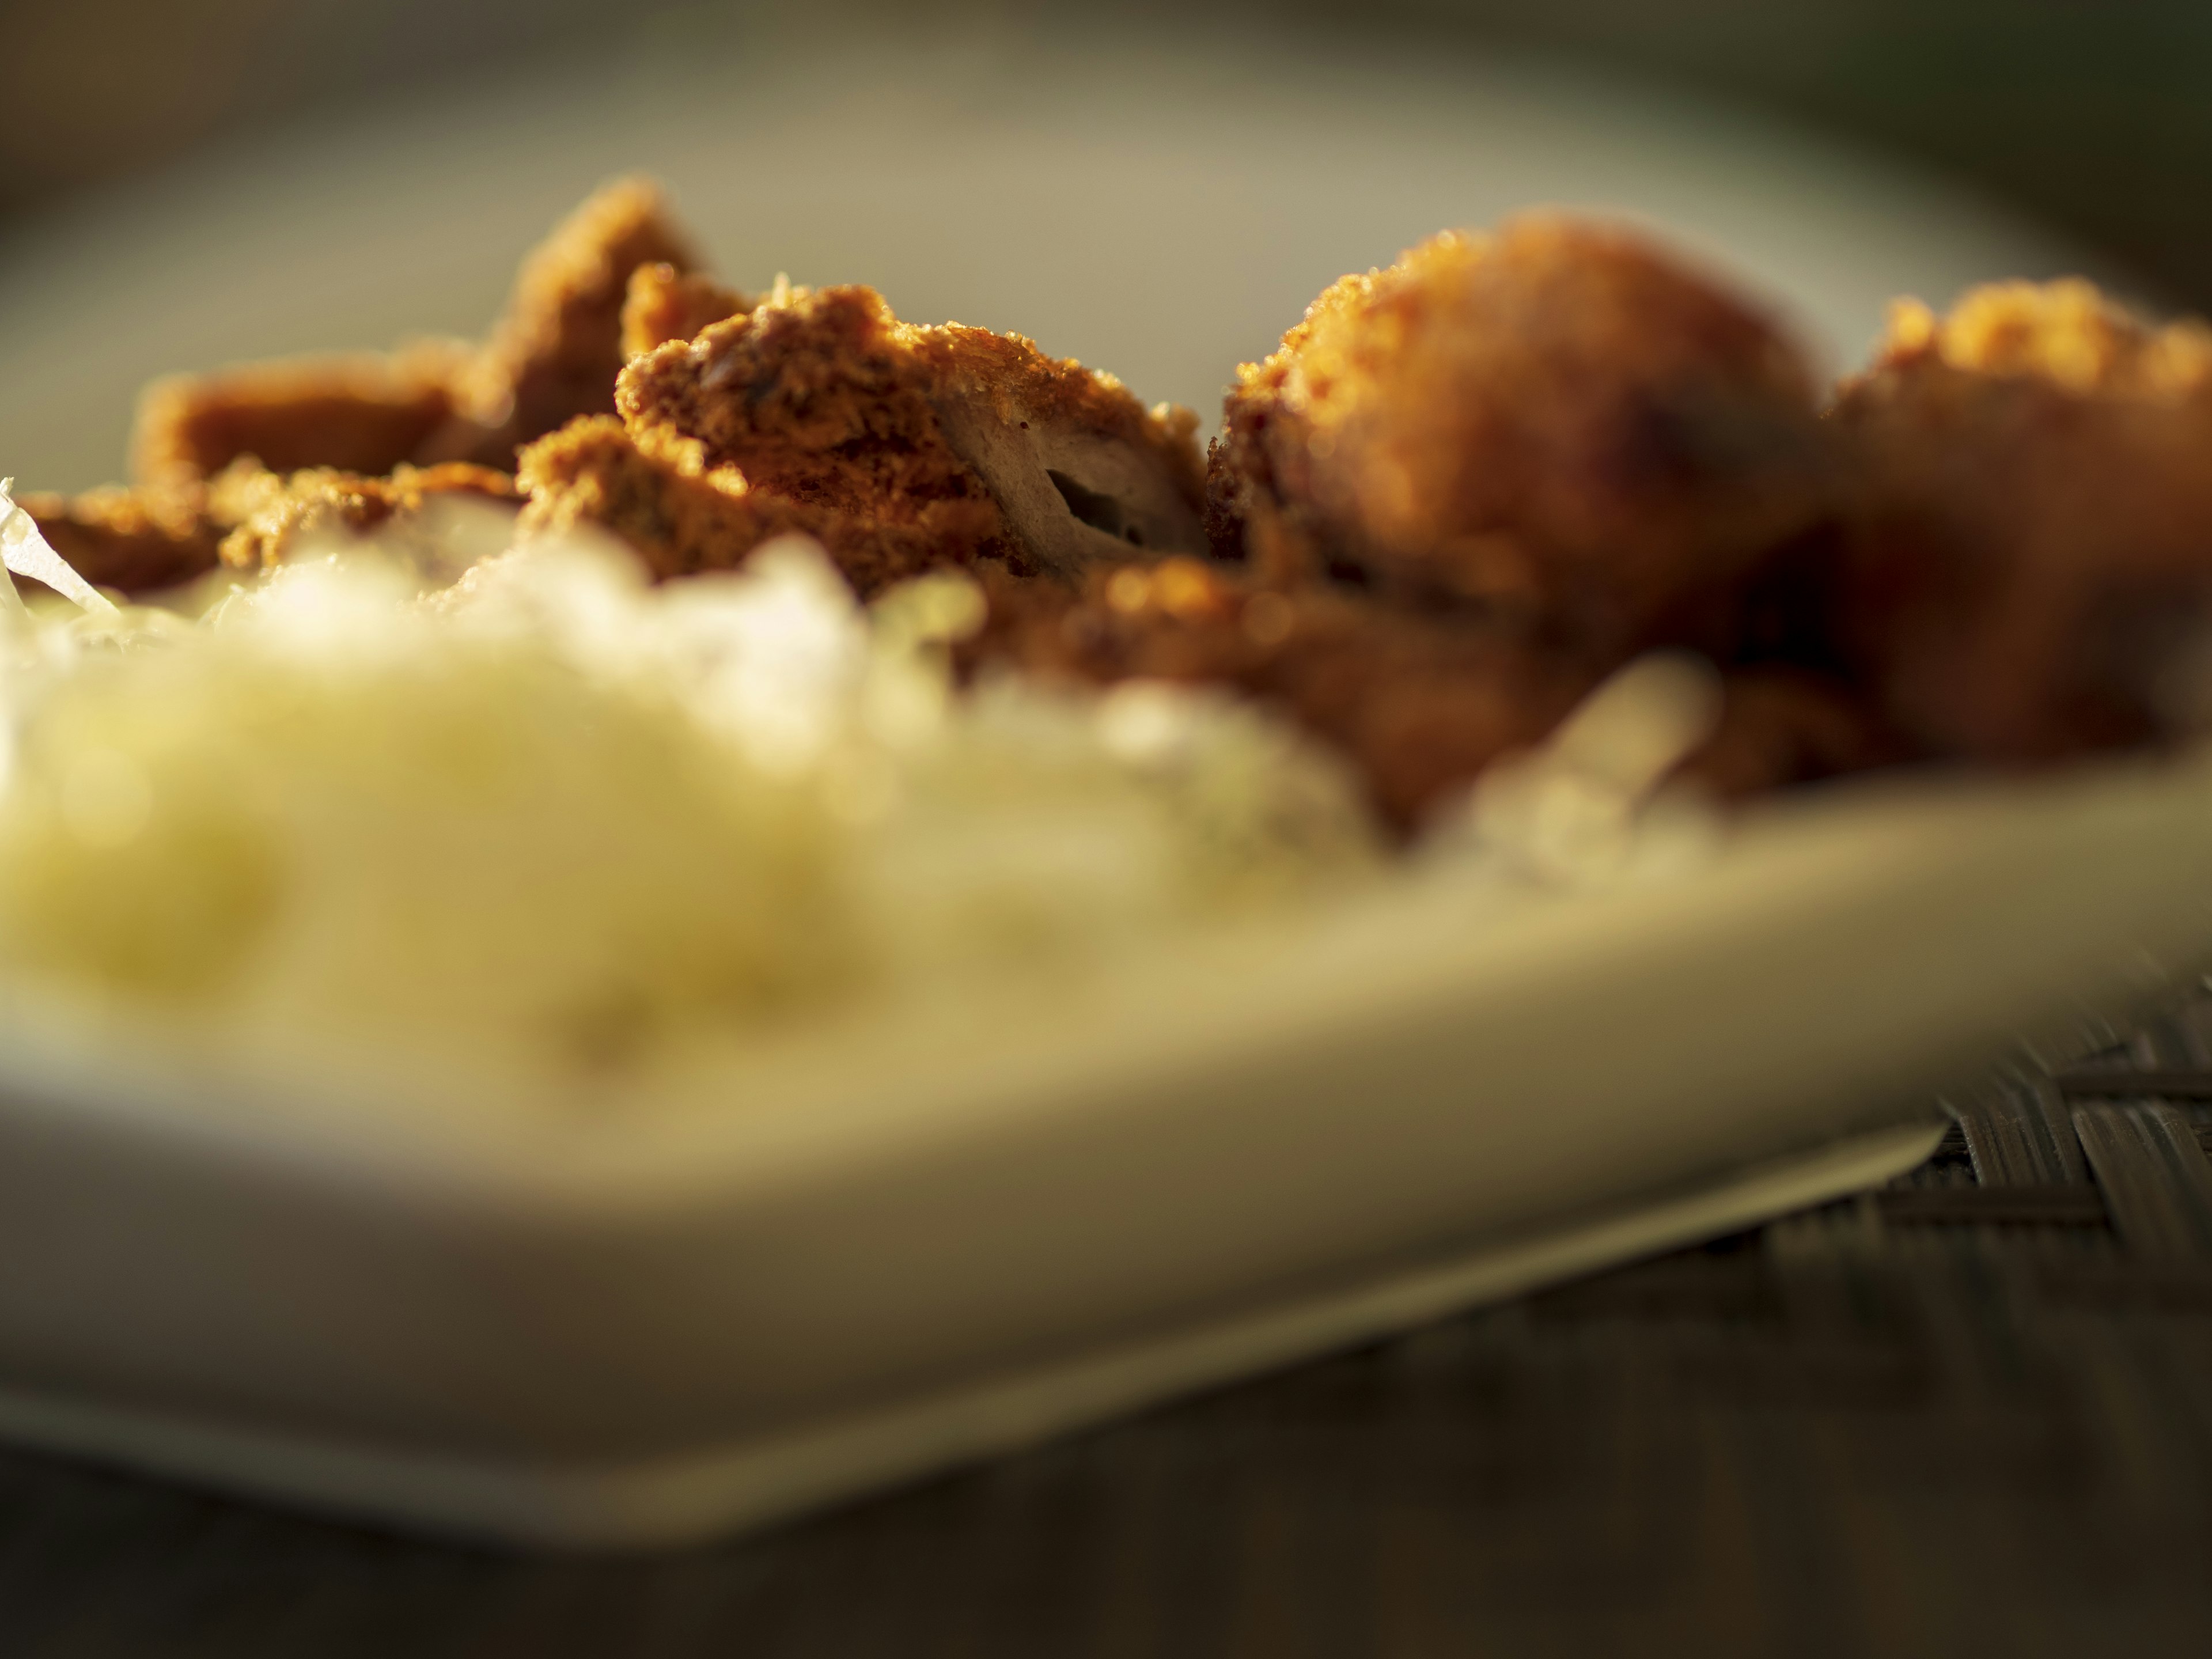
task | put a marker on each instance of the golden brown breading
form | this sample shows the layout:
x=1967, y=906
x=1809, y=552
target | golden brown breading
x=679, y=521
x=665, y=304
x=363, y=411
x=2026, y=572
x=553, y=356
x=1559, y=423
x=815, y=397
x=2066, y=332
x=904, y=449
x=1418, y=703
x=554, y=353
x=267, y=516
x=136, y=541
x=683, y=519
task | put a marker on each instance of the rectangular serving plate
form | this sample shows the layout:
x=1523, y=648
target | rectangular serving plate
x=935, y=1233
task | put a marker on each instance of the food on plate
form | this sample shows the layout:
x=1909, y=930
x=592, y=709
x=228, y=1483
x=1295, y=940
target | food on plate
x=360, y=411
x=551, y=357
x=680, y=662
x=665, y=304
x=910, y=448
x=1420, y=703
x=146, y=539
x=551, y=809
x=270, y=516
x=903, y=450
x=1558, y=424
x=2025, y=570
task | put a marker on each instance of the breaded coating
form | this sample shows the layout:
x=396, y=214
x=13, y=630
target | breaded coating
x=665, y=304
x=1559, y=423
x=1418, y=703
x=267, y=516
x=679, y=521
x=555, y=354
x=2066, y=332
x=360, y=411
x=2026, y=569
x=815, y=397
x=902, y=449
x=138, y=541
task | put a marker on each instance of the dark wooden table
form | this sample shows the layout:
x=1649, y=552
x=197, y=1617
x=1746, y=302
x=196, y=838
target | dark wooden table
x=1969, y=1415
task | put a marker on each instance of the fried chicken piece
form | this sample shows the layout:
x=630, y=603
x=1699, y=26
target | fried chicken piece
x=553, y=356
x=362, y=411
x=138, y=541
x=266, y=517
x=2026, y=571
x=1558, y=423
x=665, y=304
x=1418, y=703
x=902, y=449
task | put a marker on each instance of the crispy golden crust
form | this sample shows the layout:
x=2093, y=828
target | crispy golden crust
x=665, y=304
x=1419, y=704
x=2066, y=333
x=265, y=515
x=2025, y=570
x=818, y=398
x=136, y=541
x=1557, y=423
x=679, y=522
x=683, y=519
x=362, y=411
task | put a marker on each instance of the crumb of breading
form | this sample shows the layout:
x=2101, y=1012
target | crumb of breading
x=267, y=515
x=665, y=304
x=2025, y=567
x=363, y=411
x=1558, y=423
x=136, y=541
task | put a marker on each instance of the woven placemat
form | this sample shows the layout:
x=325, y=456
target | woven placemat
x=1970, y=1413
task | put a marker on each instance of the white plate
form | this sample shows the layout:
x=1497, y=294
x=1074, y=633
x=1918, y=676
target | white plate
x=887, y=1248
x=882, y=1250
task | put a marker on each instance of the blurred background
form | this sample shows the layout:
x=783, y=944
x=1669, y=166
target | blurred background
x=1154, y=186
